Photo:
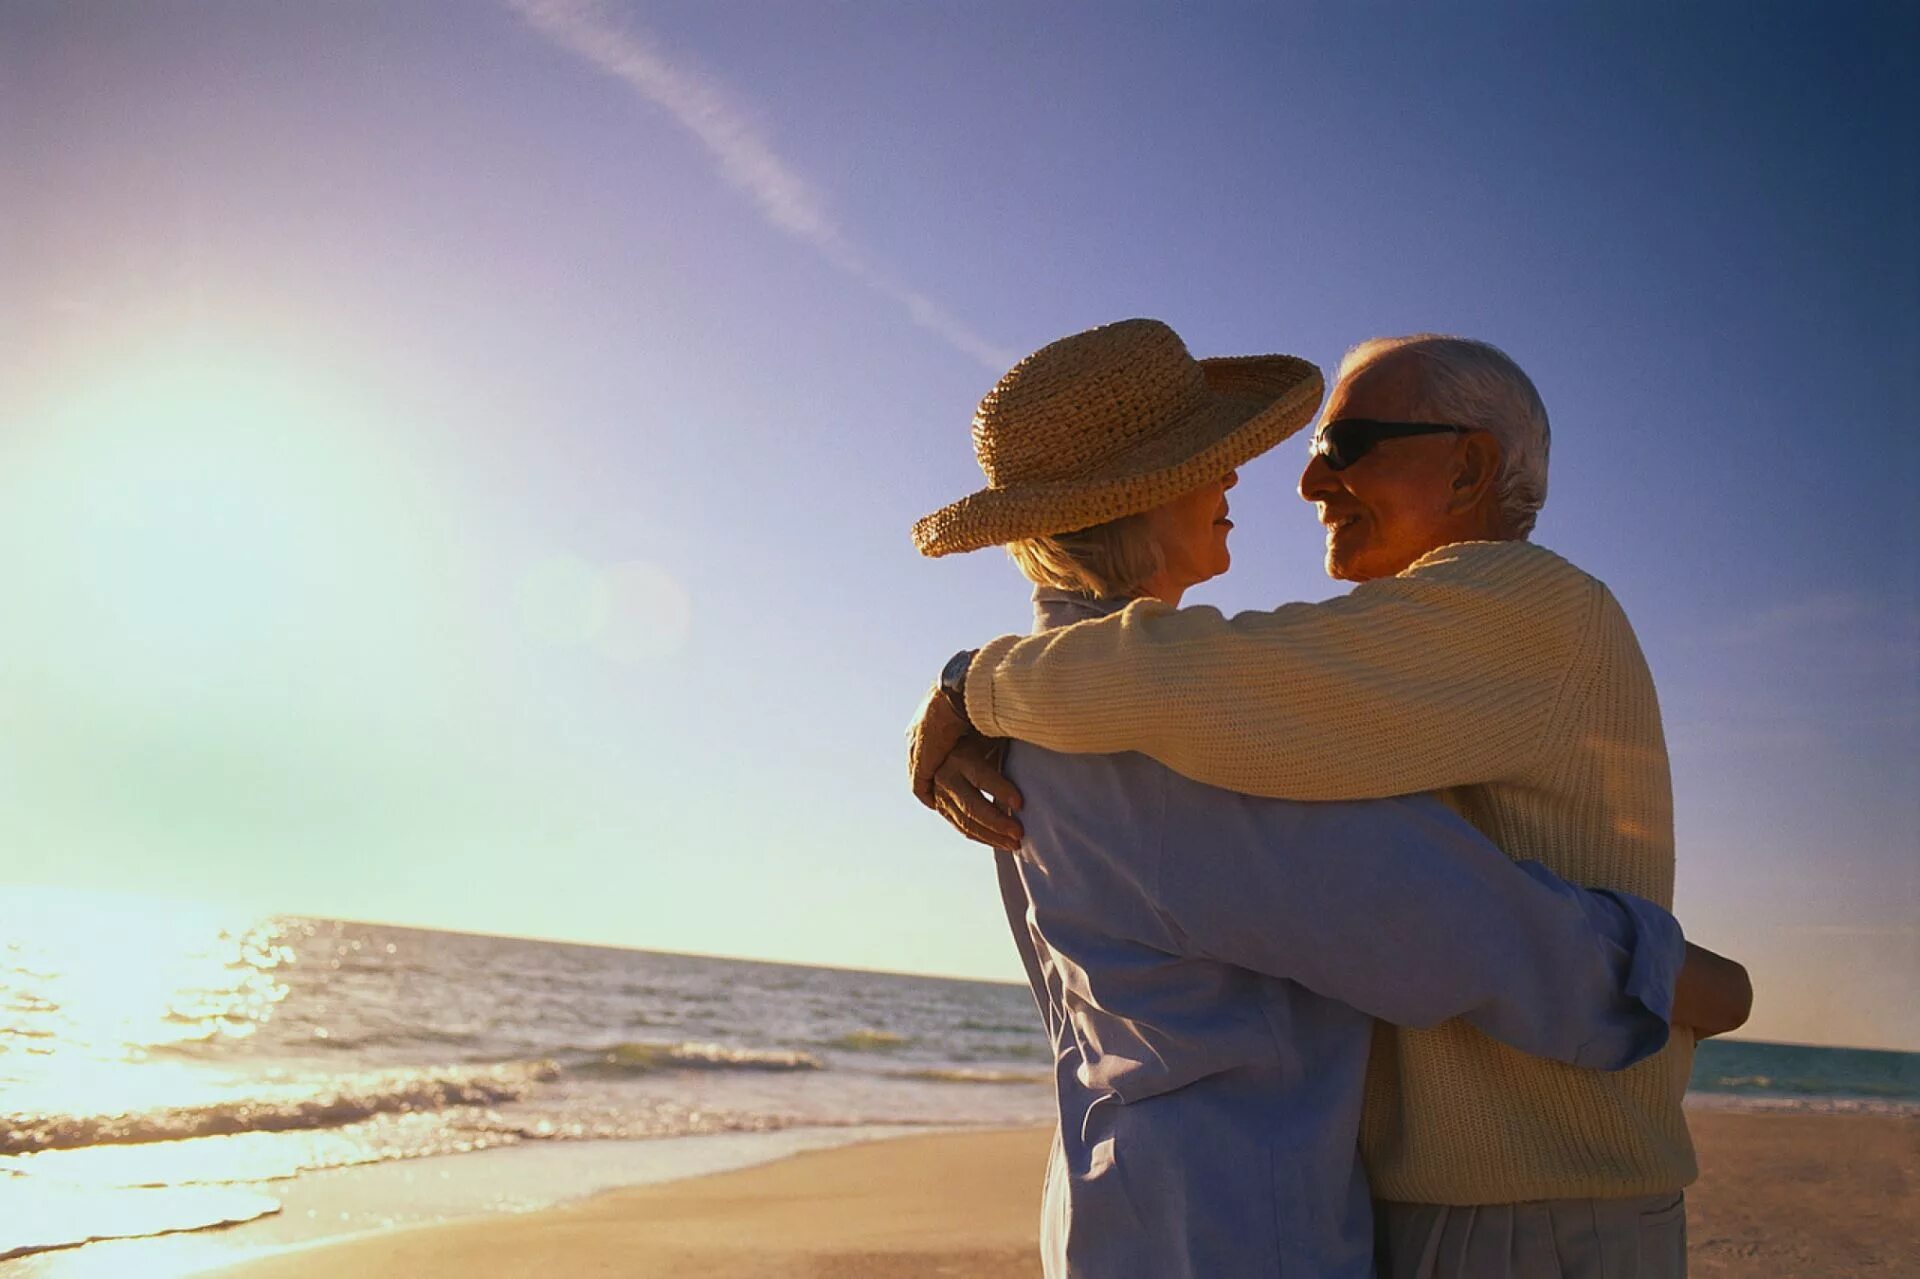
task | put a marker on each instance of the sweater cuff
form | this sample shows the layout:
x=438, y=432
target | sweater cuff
x=980, y=685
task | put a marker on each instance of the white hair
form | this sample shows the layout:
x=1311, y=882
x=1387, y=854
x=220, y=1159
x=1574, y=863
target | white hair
x=1113, y=560
x=1468, y=383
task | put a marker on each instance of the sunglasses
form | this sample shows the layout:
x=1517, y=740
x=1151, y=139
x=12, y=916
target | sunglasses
x=1345, y=441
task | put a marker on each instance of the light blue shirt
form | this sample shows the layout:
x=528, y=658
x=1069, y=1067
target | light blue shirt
x=1209, y=966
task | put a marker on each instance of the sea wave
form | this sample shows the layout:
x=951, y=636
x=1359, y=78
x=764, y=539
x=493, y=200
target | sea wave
x=280, y=1108
x=869, y=1041
x=1804, y=1105
x=962, y=1075
x=217, y=1042
x=1031, y=1048
x=1814, y=1087
x=403, y=1036
x=1028, y=1028
x=43, y=1221
x=640, y=1058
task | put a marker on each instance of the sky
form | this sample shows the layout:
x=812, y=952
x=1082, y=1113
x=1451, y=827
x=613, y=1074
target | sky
x=456, y=459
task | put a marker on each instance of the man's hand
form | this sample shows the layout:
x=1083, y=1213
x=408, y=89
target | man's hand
x=936, y=729
x=1712, y=994
x=971, y=792
x=956, y=772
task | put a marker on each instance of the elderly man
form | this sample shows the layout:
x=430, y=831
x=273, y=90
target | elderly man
x=1467, y=662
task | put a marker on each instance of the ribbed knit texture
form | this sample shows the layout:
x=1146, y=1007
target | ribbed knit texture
x=1495, y=673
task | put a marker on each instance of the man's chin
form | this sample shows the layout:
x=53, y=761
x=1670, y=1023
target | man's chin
x=1344, y=565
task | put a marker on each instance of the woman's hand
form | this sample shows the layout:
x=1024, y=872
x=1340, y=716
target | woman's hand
x=1712, y=995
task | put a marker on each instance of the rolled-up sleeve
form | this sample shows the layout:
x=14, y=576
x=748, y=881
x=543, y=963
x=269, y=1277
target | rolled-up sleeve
x=1645, y=950
x=1403, y=910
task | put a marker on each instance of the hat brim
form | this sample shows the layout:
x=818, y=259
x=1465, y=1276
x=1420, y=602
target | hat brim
x=1253, y=403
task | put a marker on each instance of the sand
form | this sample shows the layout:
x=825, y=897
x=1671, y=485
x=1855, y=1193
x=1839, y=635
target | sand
x=1804, y=1197
x=959, y=1205
x=1780, y=1196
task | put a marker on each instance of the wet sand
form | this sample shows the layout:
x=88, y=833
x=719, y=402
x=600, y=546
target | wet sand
x=962, y=1205
x=1785, y=1196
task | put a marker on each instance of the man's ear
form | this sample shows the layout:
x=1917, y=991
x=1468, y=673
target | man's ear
x=1476, y=468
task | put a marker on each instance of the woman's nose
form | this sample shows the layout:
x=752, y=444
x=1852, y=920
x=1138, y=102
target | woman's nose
x=1233, y=478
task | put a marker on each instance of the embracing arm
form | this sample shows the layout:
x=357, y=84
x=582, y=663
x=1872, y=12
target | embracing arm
x=1447, y=675
x=1418, y=919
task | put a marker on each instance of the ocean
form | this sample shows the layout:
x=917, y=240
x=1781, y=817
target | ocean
x=167, y=1071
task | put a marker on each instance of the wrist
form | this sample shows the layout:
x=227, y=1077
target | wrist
x=953, y=682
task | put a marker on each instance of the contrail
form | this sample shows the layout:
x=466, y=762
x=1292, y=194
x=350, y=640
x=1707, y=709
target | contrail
x=702, y=107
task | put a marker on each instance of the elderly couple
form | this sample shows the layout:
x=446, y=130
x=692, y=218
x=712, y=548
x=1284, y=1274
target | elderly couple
x=1341, y=917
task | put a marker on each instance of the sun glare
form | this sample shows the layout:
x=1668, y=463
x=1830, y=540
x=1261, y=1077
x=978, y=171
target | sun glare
x=179, y=514
x=93, y=981
x=230, y=582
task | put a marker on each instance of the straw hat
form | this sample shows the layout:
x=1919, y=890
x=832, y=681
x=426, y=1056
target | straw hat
x=1112, y=422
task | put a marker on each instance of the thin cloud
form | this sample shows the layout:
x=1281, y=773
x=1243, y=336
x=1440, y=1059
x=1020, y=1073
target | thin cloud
x=1844, y=624
x=1909, y=932
x=1822, y=673
x=1834, y=642
x=745, y=158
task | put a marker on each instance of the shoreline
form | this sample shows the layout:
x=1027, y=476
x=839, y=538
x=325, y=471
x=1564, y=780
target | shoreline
x=1790, y=1194
x=339, y=1205
x=955, y=1203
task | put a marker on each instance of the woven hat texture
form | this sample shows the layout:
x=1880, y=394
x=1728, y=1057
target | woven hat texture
x=1112, y=422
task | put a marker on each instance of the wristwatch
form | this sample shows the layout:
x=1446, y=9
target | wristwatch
x=953, y=681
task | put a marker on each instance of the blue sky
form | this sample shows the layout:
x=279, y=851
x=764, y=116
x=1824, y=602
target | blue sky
x=461, y=456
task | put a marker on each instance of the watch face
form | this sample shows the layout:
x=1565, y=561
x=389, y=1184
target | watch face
x=954, y=677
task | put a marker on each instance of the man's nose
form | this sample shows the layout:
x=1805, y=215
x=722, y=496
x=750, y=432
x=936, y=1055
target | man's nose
x=1317, y=481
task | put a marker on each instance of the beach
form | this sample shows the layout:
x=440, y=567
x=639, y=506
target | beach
x=298, y=1083
x=1787, y=1196
x=1799, y=1196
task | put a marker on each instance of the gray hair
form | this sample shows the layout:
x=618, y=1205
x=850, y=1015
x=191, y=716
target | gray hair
x=1470, y=383
x=1113, y=560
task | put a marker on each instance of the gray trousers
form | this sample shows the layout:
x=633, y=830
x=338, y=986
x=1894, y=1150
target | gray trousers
x=1638, y=1238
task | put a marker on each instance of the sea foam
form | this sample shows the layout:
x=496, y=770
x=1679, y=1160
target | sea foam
x=338, y=1101
x=636, y=1058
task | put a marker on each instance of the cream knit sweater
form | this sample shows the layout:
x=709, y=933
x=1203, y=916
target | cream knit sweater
x=1495, y=673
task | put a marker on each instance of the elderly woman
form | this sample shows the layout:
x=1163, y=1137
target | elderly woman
x=1209, y=965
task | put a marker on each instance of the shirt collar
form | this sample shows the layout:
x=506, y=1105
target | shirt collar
x=1053, y=607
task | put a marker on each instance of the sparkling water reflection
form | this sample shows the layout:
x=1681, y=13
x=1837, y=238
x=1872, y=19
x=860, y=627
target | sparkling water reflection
x=164, y=1049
